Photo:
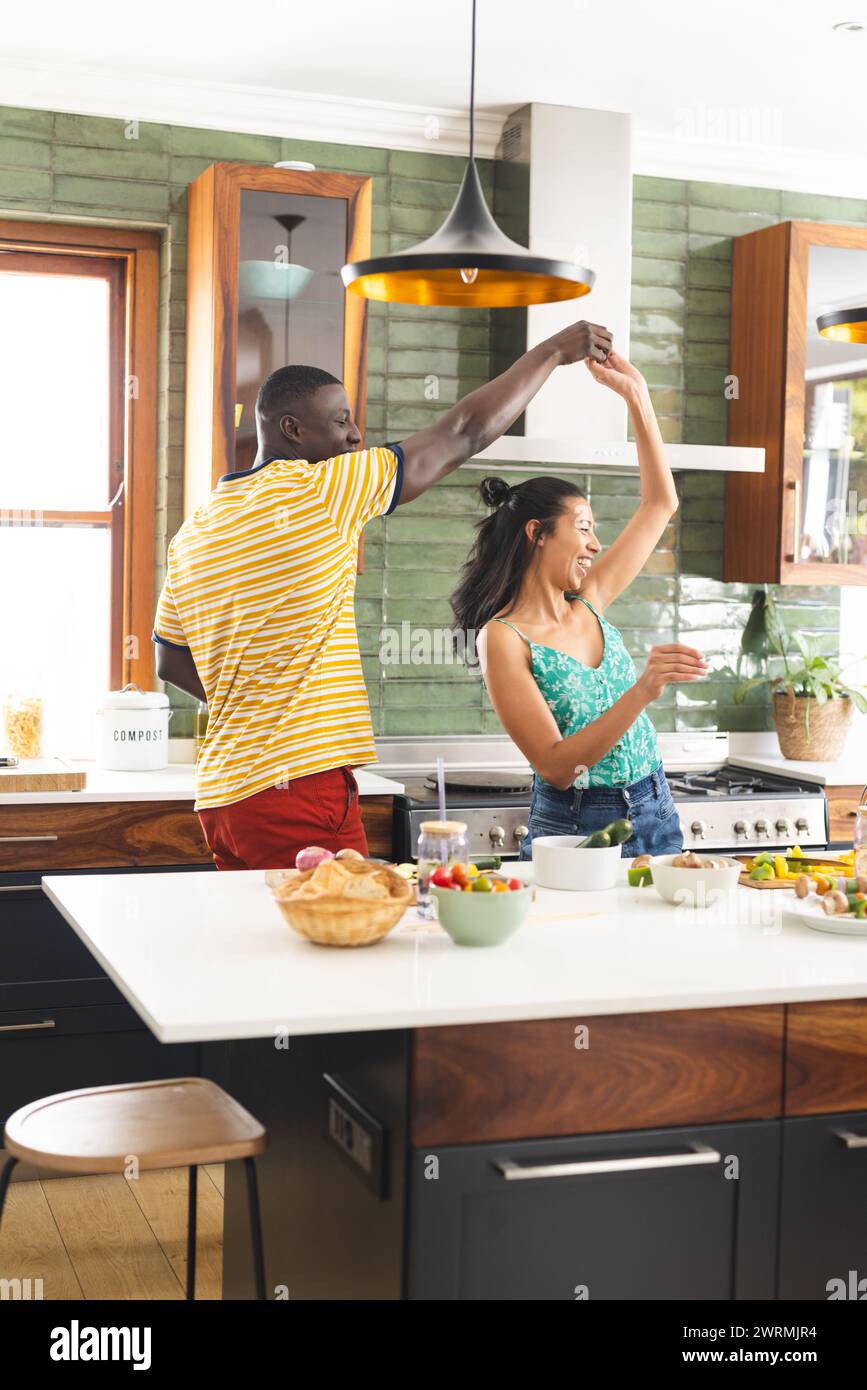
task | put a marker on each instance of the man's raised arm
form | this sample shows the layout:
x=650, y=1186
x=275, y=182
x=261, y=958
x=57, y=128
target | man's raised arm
x=482, y=416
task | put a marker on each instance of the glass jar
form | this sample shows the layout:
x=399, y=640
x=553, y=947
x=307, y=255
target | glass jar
x=860, y=837
x=22, y=725
x=200, y=726
x=440, y=843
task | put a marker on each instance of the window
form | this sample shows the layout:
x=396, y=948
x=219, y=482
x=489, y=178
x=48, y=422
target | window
x=78, y=311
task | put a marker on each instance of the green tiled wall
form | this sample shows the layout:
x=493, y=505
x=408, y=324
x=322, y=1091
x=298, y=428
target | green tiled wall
x=420, y=360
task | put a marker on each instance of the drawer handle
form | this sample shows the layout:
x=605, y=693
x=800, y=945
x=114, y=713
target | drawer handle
x=21, y=888
x=850, y=1139
x=699, y=1153
x=24, y=839
x=26, y=1027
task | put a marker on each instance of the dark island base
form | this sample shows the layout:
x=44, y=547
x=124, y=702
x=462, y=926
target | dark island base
x=779, y=1213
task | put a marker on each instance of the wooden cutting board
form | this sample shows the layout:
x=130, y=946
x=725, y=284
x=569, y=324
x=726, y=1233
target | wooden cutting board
x=41, y=775
x=781, y=883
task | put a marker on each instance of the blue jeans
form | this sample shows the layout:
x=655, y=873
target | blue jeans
x=648, y=804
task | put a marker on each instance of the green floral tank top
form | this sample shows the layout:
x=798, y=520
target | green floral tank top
x=577, y=694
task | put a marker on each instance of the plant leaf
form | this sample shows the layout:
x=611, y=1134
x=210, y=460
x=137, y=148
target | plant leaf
x=745, y=687
x=856, y=696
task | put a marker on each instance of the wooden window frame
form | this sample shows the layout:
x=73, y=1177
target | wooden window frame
x=134, y=282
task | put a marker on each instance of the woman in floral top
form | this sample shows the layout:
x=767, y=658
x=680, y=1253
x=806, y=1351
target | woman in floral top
x=535, y=589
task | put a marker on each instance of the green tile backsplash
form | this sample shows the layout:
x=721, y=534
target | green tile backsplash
x=421, y=360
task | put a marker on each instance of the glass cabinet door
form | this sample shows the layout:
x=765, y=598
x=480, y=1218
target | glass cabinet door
x=290, y=295
x=830, y=503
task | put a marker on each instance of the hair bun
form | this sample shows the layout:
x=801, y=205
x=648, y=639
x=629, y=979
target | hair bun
x=494, y=491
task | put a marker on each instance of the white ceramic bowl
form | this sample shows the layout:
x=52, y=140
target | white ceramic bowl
x=693, y=887
x=558, y=864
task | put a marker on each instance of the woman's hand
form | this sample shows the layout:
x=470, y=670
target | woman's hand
x=618, y=375
x=669, y=663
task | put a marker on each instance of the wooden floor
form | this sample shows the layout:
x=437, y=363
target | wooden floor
x=106, y=1237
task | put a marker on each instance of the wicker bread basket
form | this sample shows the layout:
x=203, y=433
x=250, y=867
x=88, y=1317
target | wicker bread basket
x=829, y=724
x=335, y=920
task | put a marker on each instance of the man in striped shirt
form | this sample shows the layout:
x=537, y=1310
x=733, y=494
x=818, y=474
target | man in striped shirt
x=256, y=614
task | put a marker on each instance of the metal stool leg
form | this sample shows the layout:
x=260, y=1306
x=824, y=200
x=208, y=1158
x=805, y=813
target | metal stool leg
x=255, y=1227
x=5, y=1177
x=192, y=1191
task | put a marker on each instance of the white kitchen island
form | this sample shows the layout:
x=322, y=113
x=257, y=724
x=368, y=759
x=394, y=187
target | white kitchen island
x=616, y=1055
x=204, y=957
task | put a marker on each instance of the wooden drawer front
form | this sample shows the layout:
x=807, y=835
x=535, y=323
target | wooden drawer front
x=842, y=805
x=376, y=816
x=100, y=835
x=482, y=1082
x=826, y=1057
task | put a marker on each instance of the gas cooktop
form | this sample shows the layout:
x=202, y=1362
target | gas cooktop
x=721, y=806
x=733, y=782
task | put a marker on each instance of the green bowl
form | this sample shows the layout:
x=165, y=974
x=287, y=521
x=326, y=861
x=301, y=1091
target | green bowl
x=481, y=919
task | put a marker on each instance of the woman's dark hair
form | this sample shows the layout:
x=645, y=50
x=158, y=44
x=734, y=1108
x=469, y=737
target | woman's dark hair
x=501, y=552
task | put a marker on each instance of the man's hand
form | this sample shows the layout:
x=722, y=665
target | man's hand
x=581, y=340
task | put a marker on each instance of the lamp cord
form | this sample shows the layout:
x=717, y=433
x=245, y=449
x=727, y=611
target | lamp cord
x=473, y=86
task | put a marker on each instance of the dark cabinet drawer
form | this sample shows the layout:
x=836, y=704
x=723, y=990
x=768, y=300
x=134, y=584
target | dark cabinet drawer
x=823, y=1209
x=549, y=1225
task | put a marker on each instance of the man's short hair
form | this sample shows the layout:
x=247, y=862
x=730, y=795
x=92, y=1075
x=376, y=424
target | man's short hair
x=287, y=386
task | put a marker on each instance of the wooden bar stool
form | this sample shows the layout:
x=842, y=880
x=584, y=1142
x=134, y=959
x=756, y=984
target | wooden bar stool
x=181, y=1122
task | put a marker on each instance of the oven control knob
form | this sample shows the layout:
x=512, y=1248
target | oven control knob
x=518, y=833
x=761, y=827
x=699, y=829
x=802, y=823
x=782, y=826
x=497, y=836
x=740, y=828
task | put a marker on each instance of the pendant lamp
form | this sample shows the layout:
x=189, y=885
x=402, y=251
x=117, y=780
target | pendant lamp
x=469, y=262
x=844, y=325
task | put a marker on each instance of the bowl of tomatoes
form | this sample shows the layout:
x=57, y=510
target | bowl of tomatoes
x=481, y=908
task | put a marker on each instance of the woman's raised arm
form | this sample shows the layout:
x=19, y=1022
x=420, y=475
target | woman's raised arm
x=626, y=557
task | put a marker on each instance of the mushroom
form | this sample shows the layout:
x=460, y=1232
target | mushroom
x=642, y=861
x=802, y=886
x=835, y=902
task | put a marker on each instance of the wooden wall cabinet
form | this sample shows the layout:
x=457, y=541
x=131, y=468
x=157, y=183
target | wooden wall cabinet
x=802, y=399
x=265, y=249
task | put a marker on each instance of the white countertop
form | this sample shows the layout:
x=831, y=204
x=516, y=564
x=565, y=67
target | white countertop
x=208, y=956
x=173, y=783
x=761, y=753
x=837, y=774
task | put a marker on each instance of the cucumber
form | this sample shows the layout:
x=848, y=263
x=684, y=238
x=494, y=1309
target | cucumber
x=619, y=831
x=614, y=833
x=487, y=861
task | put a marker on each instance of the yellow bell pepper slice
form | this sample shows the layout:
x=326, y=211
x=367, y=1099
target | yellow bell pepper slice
x=781, y=868
x=472, y=871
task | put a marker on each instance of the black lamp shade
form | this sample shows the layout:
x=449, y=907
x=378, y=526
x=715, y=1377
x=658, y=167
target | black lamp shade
x=506, y=274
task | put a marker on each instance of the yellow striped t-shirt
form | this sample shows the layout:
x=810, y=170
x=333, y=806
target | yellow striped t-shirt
x=260, y=587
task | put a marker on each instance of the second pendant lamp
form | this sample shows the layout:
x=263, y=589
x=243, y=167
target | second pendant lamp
x=468, y=262
x=844, y=325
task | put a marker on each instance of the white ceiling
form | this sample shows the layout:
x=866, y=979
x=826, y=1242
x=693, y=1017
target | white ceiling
x=764, y=84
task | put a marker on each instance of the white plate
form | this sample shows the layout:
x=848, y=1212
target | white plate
x=810, y=912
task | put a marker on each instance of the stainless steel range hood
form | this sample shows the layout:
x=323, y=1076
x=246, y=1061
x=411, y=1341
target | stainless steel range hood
x=577, y=178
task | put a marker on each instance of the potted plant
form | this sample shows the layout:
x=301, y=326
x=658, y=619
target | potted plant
x=812, y=706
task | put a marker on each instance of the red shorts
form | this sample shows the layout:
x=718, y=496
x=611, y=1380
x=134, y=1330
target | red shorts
x=266, y=831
